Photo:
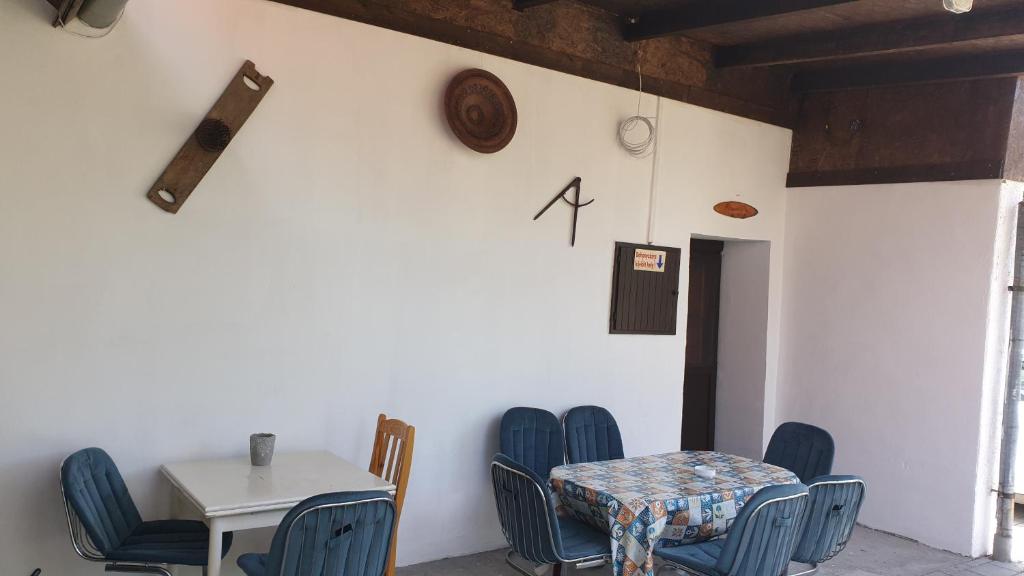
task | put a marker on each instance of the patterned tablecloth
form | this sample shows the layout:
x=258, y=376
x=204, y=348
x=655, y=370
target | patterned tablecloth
x=640, y=501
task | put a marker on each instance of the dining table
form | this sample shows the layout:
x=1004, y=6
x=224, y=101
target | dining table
x=231, y=494
x=660, y=500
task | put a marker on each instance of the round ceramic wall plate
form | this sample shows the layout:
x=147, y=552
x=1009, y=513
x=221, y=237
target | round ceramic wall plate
x=481, y=111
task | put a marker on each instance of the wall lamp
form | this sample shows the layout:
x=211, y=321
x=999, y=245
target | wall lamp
x=91, y=18
x=958, y=6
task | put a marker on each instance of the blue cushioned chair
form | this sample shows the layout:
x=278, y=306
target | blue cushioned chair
x=760, y=541
x=338, y=534
x=533, y=437
x=535, y=532
x=591, y=435
x=105, y=525
x=832, y=509
x=805, y=450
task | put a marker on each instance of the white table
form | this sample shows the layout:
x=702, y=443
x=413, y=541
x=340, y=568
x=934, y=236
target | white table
x=232, y=494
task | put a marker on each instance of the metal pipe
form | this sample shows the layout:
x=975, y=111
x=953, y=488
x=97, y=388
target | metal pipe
x=1002, y=548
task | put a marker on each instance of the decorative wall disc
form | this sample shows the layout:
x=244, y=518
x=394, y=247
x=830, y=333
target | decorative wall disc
x=734, y=209
x=481, y=111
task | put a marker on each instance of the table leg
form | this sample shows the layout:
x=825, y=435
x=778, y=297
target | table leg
x=216, y=538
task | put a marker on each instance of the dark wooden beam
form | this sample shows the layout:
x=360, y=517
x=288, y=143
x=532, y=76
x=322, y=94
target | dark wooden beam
x=882, y=73
x=985, y=169
x=713, y=13
x=676, y=68
x=895, y=134
x=886, y=38
x=524, y=4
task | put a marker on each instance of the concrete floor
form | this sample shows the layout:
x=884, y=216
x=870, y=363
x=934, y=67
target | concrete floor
x=869, y=553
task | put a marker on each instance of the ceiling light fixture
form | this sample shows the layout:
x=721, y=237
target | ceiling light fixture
x=958, y=6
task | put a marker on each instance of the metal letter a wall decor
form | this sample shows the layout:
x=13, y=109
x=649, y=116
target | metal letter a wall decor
x=577, y=183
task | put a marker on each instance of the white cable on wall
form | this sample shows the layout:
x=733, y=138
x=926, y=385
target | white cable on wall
x=637, y=134
x=652, y=212
x=638, y=146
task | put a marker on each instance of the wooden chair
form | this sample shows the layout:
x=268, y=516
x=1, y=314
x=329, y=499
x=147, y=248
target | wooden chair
x=392, y=461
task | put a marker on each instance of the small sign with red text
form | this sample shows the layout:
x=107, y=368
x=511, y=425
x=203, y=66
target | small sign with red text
x=649, y=260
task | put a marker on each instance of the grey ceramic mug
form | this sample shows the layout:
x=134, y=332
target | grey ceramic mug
x=261, y=449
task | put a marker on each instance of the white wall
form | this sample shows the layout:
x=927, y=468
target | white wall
x=742, y=349
x=888, y=344
x=345, y=256
x=995, y=374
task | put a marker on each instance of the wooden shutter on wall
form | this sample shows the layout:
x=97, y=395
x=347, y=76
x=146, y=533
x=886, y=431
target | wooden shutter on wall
x=644, y=302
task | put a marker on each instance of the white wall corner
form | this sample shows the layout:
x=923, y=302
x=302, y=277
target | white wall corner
x=995, y=368
x=887, y=323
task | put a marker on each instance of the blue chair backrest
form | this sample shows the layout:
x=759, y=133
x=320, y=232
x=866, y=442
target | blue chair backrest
x=805, y=450
x=337, y=534
x=97, y=494
x=832, y=509
x=761, y=540
x=526, y=511
x=591, y=435
x=533, y=437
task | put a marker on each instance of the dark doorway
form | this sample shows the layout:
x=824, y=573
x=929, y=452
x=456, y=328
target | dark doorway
x=699, y=387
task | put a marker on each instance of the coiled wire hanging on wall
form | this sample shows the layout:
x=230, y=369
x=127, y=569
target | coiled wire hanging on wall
x=639, y=145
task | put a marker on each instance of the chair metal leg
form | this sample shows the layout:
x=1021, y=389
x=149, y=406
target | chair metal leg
x=678, y=569
x=590, y=564
x=138, y=569
x=520, y=569
x=812, y=570
x=662, y=569
x=556, y=569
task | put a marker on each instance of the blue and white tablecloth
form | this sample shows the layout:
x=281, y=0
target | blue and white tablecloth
x=640, y=501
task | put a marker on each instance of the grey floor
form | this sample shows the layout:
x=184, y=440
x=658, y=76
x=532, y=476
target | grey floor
x=870, y=553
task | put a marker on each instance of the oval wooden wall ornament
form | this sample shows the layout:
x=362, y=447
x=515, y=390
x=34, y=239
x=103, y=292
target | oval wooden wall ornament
x=481, y=111
x=734, y=209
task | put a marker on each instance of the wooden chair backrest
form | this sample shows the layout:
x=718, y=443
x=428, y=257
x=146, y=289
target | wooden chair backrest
x=392, y=461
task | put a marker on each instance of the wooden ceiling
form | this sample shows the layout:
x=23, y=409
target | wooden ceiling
x=819, y=16
x=753, y=58
x=836, y=44
x=883, y=91
x=875, y=91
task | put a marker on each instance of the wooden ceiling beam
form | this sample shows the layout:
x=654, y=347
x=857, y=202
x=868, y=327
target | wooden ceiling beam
x=876, y=39
x=947, y=69
x=713, y=13
x=524, y=4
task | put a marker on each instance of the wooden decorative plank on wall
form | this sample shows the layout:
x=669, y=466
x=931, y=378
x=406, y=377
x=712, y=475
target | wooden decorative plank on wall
x=202, y=149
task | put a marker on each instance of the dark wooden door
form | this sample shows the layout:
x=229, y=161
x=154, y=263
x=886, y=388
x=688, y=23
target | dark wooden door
x=699, y=387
